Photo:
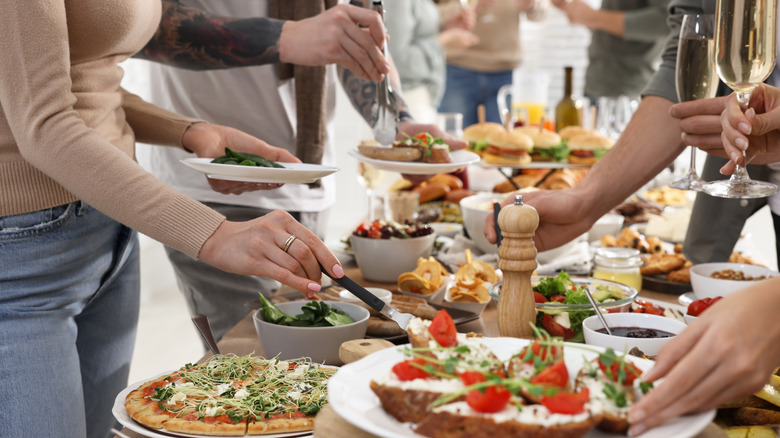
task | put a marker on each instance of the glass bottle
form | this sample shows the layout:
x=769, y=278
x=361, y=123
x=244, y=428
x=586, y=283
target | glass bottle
x=567, y=112
x=620, y=265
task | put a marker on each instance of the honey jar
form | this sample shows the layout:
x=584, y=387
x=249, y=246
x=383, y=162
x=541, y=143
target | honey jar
x=620, y=265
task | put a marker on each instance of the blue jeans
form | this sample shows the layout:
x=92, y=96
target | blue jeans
x=69, y=297
x=467, y=89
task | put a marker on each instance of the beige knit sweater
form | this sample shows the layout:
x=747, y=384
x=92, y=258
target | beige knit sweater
x=67, y=130
x=498, y=29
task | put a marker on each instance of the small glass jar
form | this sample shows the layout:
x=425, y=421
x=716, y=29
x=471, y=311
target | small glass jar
x=620, y=265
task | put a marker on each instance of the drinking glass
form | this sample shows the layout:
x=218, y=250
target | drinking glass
x=695, y=77
x=745, y=52
x=369, y=177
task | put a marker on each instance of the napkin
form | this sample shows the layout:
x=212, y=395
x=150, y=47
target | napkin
x=456, y=252
x=576, y=260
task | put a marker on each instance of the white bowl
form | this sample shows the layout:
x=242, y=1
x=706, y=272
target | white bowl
x=608, y=224
x=475, y=209
x=467, y=306
x=649, y=347
x=383, y=294
x=688, y=318
x=705, y=286
x=383, y=260
x=435, y=297
x=321, y=344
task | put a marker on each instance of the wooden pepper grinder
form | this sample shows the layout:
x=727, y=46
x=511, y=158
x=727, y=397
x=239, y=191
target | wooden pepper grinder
x=517, y=260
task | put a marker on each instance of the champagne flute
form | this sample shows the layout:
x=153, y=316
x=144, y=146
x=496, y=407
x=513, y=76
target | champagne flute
x=369, y=177
x=695, y=76
x=745, y=52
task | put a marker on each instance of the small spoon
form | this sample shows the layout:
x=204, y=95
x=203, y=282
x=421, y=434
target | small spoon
x=598, y=312
x=202, y=323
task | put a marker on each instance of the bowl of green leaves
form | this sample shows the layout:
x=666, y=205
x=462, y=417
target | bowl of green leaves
x=313, y=329
x=561, y=303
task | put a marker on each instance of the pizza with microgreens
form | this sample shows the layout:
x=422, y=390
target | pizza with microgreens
x=452, y=386
x=233, y=396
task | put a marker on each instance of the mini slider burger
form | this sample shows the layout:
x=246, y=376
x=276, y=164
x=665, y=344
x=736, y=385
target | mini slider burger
x=476, y=135
x=548, y=146
x=572, y=131
x=508, y=148
x=586, y=149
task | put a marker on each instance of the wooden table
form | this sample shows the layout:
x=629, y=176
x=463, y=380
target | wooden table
x=242, y=340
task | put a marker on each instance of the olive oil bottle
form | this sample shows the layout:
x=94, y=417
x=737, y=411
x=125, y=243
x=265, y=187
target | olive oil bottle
x=567, y=112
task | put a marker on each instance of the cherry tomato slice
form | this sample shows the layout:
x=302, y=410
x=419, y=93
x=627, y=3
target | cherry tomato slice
x=406, y=372
x=555, y=375
x=540, y=351
x=443, y=329
x=632, y=372
x=555, y=329
x=471, y=377
x=492, y=399
x=566, y=402
x=558, y=298
x=539, y=298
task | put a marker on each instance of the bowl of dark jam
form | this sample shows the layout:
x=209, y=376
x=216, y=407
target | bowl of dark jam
x=646, y=332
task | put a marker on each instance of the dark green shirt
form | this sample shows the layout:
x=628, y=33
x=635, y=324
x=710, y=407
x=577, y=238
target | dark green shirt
x=624, y=65
x=662, y=83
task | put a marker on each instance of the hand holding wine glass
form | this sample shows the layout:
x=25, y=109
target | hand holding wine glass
x=745, y=54
x=695, y=76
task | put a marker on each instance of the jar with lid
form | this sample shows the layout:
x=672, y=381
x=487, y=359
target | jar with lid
x=620, y=265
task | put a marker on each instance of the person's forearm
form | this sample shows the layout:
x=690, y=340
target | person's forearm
x=362, y=94
x=612, y=22
x=193, y=39
x=650, y=142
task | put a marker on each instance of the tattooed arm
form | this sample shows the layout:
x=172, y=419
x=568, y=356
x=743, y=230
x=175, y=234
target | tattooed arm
x=193, y=39
x=362, y=94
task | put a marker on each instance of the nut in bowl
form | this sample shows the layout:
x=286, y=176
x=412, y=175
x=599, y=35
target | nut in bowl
x=321, y=344
x=731, y=278
x=428, y=280
x=649, y=333
x=385, y=250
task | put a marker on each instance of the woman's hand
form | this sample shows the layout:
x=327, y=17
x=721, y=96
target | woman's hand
x=465, y=19
x=209, y=141
x=728, y=352
x=758, y=125
x=457, y=38
x=256, y=247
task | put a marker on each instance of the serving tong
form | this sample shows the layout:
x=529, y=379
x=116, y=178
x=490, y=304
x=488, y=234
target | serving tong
x=384, y=123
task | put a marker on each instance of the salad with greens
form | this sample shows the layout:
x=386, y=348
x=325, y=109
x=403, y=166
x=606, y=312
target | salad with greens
x=315, y=314
x=565, y=305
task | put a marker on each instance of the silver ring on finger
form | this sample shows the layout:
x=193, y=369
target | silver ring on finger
x=288, y=242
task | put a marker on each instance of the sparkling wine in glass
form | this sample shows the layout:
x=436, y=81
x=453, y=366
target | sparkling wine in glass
x=745, y=52
x=695, y=76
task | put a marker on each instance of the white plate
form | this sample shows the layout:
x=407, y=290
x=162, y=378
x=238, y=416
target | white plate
x=449, y=229
x=121, y=415
x=353, y=400
x=302, y=173
x=664, y=304
x=687, y=298
x=536, y=165
x=460, y=159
